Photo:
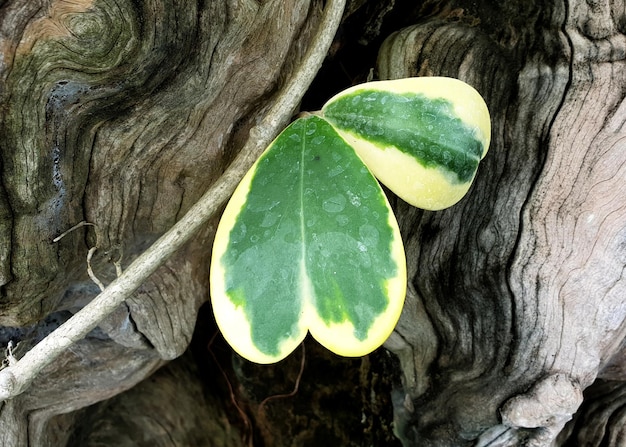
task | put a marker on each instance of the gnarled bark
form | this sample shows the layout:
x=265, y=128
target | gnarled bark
x=122, y=114
x=523, y=281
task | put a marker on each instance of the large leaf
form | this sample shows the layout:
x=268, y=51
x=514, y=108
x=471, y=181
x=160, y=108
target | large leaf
x=422, y=137
x=308, y=242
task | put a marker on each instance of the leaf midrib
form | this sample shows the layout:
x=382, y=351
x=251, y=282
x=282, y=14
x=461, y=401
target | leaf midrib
x=303, y=272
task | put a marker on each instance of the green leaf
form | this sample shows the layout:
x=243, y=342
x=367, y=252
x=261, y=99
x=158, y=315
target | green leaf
x=308, y=242
x=422, y=137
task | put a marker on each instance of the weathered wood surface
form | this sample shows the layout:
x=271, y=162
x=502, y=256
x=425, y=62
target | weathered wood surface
x=523, y=283
x=122, y=114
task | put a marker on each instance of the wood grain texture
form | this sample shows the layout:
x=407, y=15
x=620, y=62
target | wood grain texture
x=171, y=408
x=522, y=282
x=120, y=114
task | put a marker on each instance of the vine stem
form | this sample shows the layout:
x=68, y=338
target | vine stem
x=16, y=378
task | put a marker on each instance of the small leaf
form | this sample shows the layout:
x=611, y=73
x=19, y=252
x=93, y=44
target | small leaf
x=308, y=242
x=421, y=137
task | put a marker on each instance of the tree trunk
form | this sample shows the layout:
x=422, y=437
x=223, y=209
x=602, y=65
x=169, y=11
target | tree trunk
x=121, y=114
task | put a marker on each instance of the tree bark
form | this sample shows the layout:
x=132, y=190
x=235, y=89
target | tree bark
x=522, y=282
x=122, y=114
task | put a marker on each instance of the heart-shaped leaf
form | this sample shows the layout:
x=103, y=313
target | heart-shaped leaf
x=421, y=137
x=308, y=242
